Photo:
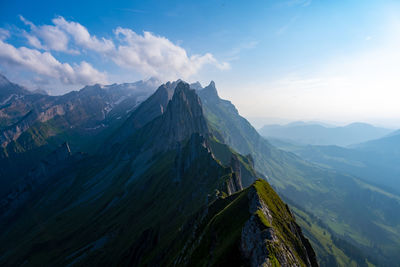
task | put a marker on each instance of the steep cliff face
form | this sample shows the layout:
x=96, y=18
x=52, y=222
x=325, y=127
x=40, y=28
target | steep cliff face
x=252, y=227
x=172, y=114
x=271, y=235
x=184, y=116
x=152, y=107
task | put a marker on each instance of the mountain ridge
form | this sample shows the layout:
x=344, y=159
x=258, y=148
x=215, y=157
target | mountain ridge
x=162, y=175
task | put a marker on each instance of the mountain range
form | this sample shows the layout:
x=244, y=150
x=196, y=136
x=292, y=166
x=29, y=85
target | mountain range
x=375, y=161
x=158, y=192
x=33, y=124
x=175, y=177
x=321, y=134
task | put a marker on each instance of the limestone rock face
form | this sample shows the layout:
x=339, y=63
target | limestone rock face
x=154, y=106
x=184, y=115
x=195, y=148
x=171, y=115
x=182, y=118
x=262, y=246
x=235, y=184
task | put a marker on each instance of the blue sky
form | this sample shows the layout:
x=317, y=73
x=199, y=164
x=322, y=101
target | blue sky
x=297, y=59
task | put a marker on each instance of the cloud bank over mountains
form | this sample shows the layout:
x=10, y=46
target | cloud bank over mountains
x=147, y=54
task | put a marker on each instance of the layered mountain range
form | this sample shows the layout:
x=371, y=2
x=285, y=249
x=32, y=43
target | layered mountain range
x=314, y=133
x=162, y=189
x=179, y=178
x=32, y=125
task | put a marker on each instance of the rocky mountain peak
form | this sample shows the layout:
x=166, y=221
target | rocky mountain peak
x=8, y=90
x=182, y=118
x=185, y=102
x=210, y=91
x=197, y=86
x=173, y=84
x=212, y=84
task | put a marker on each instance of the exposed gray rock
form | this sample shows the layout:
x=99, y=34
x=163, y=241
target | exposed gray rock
x=235, y=183
x=182, y=118
x=196, y=86
x=258, y=241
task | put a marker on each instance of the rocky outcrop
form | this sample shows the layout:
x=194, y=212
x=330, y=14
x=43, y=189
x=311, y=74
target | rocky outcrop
x=153, y=107
x=186, y=154
x=196, y=86
x=184, y=115
x=182, y=118
x=252, y=227
x=235, y=183
x=264, y=244
x=210, y=92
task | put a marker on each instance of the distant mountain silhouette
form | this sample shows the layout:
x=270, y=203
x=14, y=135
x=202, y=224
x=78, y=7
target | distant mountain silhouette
x=317, y=134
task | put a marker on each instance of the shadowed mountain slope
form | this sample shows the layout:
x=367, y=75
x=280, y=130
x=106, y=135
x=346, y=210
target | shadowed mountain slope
x=158, y=197
x=32, y=125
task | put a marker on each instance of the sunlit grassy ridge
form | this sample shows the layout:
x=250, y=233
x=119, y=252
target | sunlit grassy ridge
x=356, y=211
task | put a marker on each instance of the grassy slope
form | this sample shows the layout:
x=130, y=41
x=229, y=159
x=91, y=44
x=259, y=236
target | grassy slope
x=103, y=217
x=331, y=250
x=162, y=207
x=221, y=232
x=354, y=210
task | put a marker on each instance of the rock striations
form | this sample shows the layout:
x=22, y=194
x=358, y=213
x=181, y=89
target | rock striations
x=184, y=116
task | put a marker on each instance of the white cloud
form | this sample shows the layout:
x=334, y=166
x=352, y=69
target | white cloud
x=4, y=34
x=157, y=56
x=82, y=36
x=147, y=54
x=47, y=37
x=45, y=64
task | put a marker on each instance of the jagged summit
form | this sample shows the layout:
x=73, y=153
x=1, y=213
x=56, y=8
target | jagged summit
x=173, y=84
x=9, y=89
x=196, y=86
x=183, y=117
x=210, y=91
x=172, y=114
x=152, y=107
